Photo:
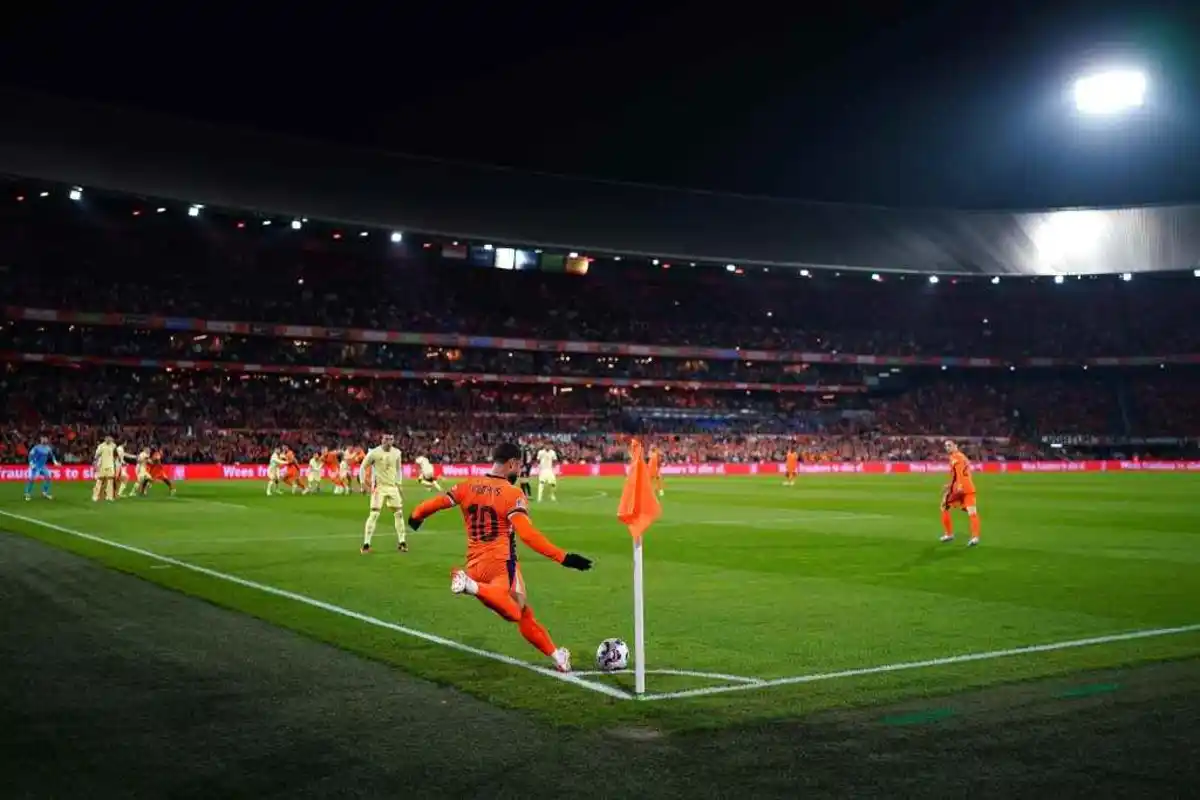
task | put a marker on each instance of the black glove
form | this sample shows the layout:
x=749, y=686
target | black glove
x=415, y=524
x=576, y=561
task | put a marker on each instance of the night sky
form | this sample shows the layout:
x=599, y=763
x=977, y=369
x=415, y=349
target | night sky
x=938, y=104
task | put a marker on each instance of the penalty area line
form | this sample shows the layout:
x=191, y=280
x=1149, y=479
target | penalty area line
x=933, y=662
x=604, y=689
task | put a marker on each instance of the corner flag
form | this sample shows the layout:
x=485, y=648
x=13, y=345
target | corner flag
x=639, y=508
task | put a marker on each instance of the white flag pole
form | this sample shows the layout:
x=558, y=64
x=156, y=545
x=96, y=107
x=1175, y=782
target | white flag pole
x=639, y=620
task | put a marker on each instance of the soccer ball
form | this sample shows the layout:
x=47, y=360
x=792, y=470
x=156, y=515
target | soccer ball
x=612, y=655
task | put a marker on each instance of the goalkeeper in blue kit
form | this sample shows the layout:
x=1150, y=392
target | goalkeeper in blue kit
x=41, y=455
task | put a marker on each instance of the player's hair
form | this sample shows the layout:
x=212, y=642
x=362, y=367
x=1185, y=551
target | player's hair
x=506, y=451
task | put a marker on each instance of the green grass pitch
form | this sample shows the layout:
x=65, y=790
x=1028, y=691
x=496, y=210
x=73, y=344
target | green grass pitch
x=746, y=581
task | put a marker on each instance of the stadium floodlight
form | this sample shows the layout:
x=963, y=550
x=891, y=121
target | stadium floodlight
x=44, y=194
x=76, y=194
x=996, y=281
x=266, y=222
x=1110, y=92
x=1196, y=273
x=730, y=268
x=806, y=274
x=194, y=210
x=1058, y=278
x=397, y=237
x=363, y=234
x=875, y=276
x=160, y=210
x=933, y=278
x=1127, y=276
x=296, y=224
x=490, y=247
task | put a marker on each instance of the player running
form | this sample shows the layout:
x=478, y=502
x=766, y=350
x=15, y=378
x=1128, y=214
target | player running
x=275, y=472
x=656, y=478
x=384, y=465
x=493, y=508
x=425, y=475
x=105, y=464
x=40, y=455
x=156, y=471
x=960, y=493
x=546, y=458
x=124, y=466
x=792, y=466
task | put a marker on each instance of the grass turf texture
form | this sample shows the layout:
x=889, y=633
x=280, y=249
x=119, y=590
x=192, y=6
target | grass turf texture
x=743, y=577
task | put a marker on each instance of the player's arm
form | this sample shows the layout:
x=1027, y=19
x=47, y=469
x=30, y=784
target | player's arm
x=536, y=540
x=433, y=505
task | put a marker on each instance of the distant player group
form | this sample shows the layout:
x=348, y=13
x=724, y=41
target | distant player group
x=118, y=472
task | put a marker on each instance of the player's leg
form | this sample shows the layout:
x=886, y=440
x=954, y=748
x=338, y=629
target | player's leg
x=29, y=486
x=541, y=487
x=491, y=585
x=972, y=515
x=110, y=488
x=532, y=630
x=526, y=487
x=372, y=520
x=553, y=489
x=97, y=489
x=949, y=502
x=397, y=504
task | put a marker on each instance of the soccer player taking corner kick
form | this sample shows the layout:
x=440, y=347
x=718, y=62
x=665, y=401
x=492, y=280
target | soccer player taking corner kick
x=960, y=493
x=493, y=509
x=384, y=465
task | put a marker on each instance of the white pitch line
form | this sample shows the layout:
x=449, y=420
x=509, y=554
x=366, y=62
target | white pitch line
x=933, y=662
x=333, y=609
x=687, y=673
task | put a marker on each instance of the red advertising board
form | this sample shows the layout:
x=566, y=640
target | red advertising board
x=212, y=472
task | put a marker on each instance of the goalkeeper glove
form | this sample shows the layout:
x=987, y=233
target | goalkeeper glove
x=576, y=561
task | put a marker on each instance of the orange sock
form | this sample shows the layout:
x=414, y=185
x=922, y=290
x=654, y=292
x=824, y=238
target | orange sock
x=500, y=601
x=974, y=526
x=947, y=523
x=534, y=633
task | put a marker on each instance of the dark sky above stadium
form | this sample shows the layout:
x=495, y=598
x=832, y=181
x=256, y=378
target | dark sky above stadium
x=916, y=103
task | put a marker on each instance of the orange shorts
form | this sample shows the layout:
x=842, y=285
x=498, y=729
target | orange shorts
x=963, y=500
x=504, y=574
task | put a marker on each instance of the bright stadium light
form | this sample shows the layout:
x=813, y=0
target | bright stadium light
x=76, y=194
x=296, y=224
x=397, y=237
x=1110, y=92
x=933, y=278
x=996, y=280
x=194, y=211
x=1058, y=278
x=1127, y=276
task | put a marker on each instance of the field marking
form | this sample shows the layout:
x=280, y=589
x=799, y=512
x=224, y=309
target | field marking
x=330, y=607
x=687, y=673
x=933, y=662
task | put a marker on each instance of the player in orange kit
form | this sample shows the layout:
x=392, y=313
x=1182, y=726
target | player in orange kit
x=157, y=473
x=493, y=509
x=656, y=478
x=330, y=459
x=960, y=493
x=792, y=466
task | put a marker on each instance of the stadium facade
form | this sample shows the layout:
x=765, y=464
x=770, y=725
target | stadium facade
x=216, y=166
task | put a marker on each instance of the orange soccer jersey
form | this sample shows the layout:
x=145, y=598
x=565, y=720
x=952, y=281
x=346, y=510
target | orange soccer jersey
x=156, y=469
x=655, y=463
x=793, y=462
x=494, y=513
x=962, y=487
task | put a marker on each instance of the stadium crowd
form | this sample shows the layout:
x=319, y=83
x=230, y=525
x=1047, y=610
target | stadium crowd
x=210, y=268
x=104, y=258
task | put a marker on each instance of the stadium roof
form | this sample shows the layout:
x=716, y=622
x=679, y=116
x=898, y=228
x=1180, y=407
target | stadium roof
x=194, y=162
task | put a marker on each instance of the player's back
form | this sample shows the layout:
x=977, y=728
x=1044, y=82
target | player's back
x=488, y=504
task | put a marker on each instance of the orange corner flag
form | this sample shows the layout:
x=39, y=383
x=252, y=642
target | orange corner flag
x=639, y=506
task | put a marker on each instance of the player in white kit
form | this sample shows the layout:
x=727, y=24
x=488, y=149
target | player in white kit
x=275, y=471
x=316, y=466
x=546, y=459
x=385, y=469
x=425, y=474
